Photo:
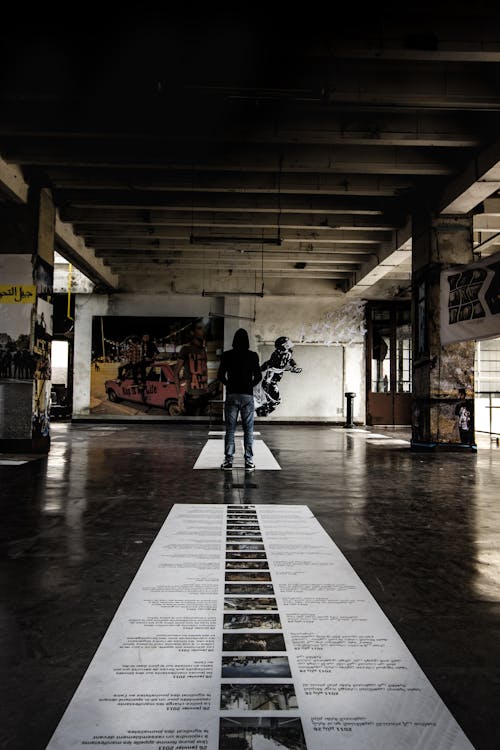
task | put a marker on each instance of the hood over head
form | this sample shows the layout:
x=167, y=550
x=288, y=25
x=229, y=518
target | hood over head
x=240, y=340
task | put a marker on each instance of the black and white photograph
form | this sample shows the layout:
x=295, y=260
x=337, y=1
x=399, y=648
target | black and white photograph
x=246, y=528
x=232, y=555
x=252, y=622
x=271, y=733
x=245, y=546
x=244, y=603
x=253, y=642
x=255, y=666
x=250, y=576
x=253, y=589
x=246, y=565
x=236, y=520
x=258, y=697
x=241, y=510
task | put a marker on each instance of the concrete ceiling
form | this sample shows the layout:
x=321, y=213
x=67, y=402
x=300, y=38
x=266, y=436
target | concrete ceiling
x=227, y=150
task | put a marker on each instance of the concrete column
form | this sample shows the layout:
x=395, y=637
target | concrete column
x=26, y=286
x=443, y=376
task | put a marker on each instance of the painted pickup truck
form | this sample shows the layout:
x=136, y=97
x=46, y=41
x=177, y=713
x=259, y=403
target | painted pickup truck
x=160, y=389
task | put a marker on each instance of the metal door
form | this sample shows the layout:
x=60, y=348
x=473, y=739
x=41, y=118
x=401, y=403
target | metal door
x=388, y=363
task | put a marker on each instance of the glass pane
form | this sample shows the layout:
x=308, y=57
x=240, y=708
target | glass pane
x=381, y=357
x=403, y=357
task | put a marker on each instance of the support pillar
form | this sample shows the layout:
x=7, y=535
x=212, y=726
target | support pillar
x=443, y=376
x=27, y=235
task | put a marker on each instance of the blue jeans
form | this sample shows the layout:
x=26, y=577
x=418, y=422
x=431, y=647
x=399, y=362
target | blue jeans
x=242, y=403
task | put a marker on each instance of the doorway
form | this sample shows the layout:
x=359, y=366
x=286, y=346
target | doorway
x=61, y=359
x=388, y=363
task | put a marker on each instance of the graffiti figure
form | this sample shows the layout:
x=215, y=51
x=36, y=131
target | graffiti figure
x=266, y=394
x=464, y=411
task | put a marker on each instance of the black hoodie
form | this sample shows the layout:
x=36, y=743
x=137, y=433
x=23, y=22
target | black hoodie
x=239, y=367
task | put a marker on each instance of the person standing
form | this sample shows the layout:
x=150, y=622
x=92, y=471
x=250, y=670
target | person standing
x=239, y=371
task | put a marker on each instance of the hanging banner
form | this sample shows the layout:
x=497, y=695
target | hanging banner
x=470, y=301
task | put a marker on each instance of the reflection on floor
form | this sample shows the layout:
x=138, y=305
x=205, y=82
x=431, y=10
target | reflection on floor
x=422, y=531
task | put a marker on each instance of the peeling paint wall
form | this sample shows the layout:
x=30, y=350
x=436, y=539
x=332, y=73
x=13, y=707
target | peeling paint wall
x=311, y=320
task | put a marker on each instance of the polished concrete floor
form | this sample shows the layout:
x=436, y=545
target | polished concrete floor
x=421, y=530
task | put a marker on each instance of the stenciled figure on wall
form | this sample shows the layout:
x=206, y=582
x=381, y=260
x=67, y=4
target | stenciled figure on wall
x=266, y=393
x=464, y=411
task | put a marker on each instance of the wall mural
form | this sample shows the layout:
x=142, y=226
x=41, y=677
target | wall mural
x=42, y=327
x=143, y=365
x=266, y=393
x=26, y=336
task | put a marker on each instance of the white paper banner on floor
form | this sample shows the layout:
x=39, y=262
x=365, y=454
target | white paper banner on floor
x=470, y=301
x=212, y=455
x=245, y=627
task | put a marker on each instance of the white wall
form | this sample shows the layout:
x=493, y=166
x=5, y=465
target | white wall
x=328, y=336
x=316, y=392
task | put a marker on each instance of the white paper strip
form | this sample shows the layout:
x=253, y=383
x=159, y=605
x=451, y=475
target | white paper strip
x=212, y=455
x=270, y=640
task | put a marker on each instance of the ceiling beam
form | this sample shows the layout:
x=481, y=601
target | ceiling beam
x=74, y=249
x=325, y=235
x=392, y=255
x=170, y=271
x=159, y=246
x=215, y=255
x=12, y=183
x=488, y=245
x=118, y=207
x=453, y=52
x=256, y=158
x=239, y=246
x=144, y=227
x=490, y=207
x=230, y=182
x=479, y=180
x=298, y=125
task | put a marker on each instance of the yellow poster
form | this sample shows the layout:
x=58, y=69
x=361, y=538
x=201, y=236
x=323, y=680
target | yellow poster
x=18, y=293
